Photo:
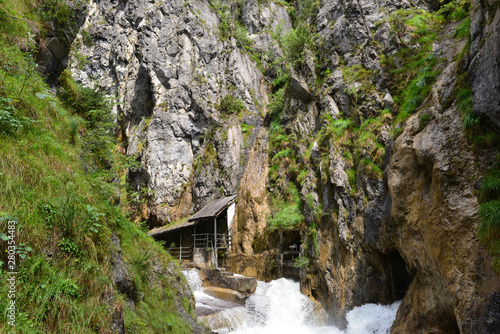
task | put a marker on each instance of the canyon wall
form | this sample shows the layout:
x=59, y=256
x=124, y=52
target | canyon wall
x=383, y=198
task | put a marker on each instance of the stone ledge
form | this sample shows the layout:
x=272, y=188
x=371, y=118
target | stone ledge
x=223, y=279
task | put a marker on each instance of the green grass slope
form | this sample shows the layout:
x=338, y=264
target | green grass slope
x=59, y=178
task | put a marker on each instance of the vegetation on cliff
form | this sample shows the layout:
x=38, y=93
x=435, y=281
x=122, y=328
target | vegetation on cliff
x=489, y=212
x=60, y=170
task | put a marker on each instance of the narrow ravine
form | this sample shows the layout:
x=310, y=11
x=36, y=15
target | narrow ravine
x=279, y=307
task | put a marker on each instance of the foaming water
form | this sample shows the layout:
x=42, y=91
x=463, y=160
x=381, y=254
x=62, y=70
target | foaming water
x=193, y=279
x=279, y=307
x=371, y=318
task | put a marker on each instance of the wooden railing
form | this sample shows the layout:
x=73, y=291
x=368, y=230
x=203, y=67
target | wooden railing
x=206, y=240
x=181, y=252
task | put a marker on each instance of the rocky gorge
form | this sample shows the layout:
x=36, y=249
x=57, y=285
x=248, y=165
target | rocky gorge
x=367, y=125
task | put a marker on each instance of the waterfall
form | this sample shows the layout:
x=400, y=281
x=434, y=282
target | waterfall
x=220, y=315
x=279, y=307
x=193, y=279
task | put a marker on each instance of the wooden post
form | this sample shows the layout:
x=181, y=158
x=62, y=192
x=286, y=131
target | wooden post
x=281, y=241
x=215, y=240
x=392, y=281
x=180, y=250
x=280, y=265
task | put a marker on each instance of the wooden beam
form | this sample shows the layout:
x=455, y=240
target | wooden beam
x=215, y=241
x=180, y=249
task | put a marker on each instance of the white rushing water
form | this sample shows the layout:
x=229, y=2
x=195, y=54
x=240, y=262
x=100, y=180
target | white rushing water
x=279, y=307
x=206, y=304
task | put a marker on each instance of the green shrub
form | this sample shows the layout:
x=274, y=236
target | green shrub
x=301, y=262
x=69, y=288
x=302, y=176
x=282, y=154
x=10, y=118
x=56, y=10
x=281, y=80
x=288, y=217
x=295, y=43
x=490, y=186
x=241, y=35
x=340, y=126
x=463, y=30
x=371, y=168
x=490, y=215
x=69, y=247
x=275, y=108
x=230, y=105
x=411, y=69
x=455, y=10
x=247, y=131
x=352, y=179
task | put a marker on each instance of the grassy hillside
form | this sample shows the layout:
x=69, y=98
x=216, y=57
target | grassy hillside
x=59, y=180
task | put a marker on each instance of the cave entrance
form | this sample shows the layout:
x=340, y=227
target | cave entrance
x=290, y=248
x=399, y=276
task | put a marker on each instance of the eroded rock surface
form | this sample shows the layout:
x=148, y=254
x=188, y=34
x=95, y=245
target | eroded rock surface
x=169, y=69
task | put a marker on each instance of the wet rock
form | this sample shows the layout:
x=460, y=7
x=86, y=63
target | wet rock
x=252, y=206
x=226, y=280
x=436, y=233
x=225, y=294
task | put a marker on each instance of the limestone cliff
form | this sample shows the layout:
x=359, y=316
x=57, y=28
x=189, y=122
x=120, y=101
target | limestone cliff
x=360, y=137
x=171, y=74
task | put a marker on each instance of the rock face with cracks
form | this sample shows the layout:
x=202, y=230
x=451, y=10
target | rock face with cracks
x=170, y=73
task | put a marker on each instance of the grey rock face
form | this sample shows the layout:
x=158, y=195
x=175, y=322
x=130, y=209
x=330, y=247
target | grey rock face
x=53, y=50
x=256, y=17
x=342, y=24
x=121, y=278
x=484, y=72
x=169, y=70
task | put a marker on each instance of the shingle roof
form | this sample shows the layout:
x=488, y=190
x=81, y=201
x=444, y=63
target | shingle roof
x=213, y=209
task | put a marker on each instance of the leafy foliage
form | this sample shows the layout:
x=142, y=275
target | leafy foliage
x=490, y=186
x=230, y=105
x=295, y=43
x=288, y=216
x=10, y=118
x=412, y=73
x=56, y=10
x=455, y=10
x=301, y=262
x=489, y=213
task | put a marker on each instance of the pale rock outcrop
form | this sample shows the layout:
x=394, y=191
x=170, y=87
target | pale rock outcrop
x=169, y=70
x=252, y=204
